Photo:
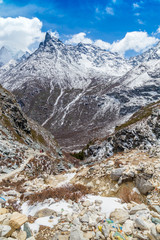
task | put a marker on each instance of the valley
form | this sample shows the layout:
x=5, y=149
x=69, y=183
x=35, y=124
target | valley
x=98, y=175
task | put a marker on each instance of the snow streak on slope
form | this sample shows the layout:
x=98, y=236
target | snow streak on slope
x=82, y=92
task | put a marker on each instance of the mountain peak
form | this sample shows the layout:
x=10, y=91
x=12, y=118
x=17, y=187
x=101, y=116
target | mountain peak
x=48, y=37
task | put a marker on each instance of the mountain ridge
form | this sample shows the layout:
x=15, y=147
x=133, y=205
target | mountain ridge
x=81, y=92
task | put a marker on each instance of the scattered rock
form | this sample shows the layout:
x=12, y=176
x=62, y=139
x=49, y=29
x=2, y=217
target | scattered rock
x=128, y=227
x=44, y=213
x=119, y=215
x=140, y=223
x=76, y=234
x=3, y=211
x=137, y=208
x=17, y=220
x=143, y=185
x=117, y=173
x=5, y=230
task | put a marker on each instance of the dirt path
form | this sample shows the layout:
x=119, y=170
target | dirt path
x=31, y=154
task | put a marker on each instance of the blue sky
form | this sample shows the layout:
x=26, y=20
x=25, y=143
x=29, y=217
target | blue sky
x=107, y=20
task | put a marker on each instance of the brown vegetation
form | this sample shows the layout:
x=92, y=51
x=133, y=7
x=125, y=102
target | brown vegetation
x=73, y=192
x=13, y=205
x=8, y=185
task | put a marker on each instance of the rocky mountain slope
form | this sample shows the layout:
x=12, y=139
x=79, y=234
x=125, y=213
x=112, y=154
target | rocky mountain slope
x=142, y=130
x=24, y=144
x=113, y=195
x=82, y=92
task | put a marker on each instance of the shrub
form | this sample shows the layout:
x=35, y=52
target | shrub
x=79, y=155
x=12, y=185
x=73, y=192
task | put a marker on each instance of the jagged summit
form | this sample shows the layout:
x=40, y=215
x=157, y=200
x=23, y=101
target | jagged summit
x=151, y=54
x=80, y=92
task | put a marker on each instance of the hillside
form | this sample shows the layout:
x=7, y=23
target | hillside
x=112, y=194
x=82, y=92
x=23, y=141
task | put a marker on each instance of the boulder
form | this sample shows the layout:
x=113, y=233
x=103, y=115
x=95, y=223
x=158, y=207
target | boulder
x=22, y=235
x=3, y=211
x=143, y=185
x=128, y=227
x=142, y=224
x=44, y=213
x=87, y=203
x=2, y=218
x=137, y=208
x=119, y=215
x=106, y=229
x=76, y=234
x=117, y=173
x=85, y=218
x=27, y=230
x=5, y=230
x=17, y=220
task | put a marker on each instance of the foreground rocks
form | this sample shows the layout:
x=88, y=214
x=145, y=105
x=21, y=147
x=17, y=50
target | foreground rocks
x=136, y=221
x=135, y=171
x=11, y=225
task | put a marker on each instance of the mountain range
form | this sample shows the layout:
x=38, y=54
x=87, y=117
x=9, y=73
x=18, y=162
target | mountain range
x=82, y=92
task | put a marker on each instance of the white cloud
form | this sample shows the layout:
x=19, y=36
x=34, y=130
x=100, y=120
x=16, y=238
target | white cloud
x=136, y=5
x=1, y=1
x=109, y=10
x=137, y=41
x=77, y=38
x=102, y=44
x=114, y=1
x=19, y=33
x=158, y=30
x=54, y=34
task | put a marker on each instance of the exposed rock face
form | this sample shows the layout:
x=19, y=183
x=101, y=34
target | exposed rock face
x=143, y=185
x=141, y=130
x=82, y=92
x=23, y=143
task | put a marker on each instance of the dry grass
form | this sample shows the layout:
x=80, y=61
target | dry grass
x=8, y=185
x=13, y=206
x=73, y=192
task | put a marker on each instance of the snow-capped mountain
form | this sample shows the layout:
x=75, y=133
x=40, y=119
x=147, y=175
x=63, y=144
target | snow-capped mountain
x=81, y=92
x=5, y=56
x=9, y=58
x=151, y=54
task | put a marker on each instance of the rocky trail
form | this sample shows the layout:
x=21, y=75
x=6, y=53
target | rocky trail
x=112, y=194
x=116, y=206
x=30, y=154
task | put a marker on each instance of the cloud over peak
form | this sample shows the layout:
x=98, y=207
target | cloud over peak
x=77, y=38
x=137, y=41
